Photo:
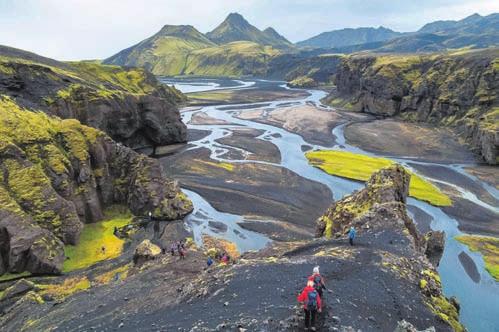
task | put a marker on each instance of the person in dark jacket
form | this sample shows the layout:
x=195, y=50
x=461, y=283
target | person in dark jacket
x=311, y=304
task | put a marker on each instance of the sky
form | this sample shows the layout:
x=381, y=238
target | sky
x=97, y=29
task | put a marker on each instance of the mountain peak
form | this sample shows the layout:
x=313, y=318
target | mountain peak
x=236, y=28
x=237, y=19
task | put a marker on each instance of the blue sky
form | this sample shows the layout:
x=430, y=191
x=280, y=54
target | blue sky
x=92, y=29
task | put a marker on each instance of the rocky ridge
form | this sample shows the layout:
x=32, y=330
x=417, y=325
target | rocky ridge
x=130, y=105
x=459, y=90
x=57, y=175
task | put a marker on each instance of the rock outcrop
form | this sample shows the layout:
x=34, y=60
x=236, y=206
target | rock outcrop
x=145, y=251
x=130, y=105
x=58, y=174
x=458, y=89
x=387, y=188
x=378, y=212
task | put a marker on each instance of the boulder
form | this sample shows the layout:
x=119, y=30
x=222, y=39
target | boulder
x=145, y=251
x=21, y=287
x=435, y=243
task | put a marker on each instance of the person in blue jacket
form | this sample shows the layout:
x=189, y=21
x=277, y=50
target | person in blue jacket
x=351, y=235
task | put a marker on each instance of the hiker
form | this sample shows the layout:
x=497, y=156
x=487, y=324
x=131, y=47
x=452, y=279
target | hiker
x=181, y=249
x=225, y=259
x=351, y=235
x=209, y=262
x=318, y=280
x=172, y=248
x=181, y=252
x=149, y=215
x=311, y=304
x=103, y=250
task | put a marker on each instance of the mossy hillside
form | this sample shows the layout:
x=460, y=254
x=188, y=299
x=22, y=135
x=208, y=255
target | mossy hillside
x=360, y=167
x=232, y=59
x=431, y=286
x=35, y=147
x=457, y=89
x=303, y=82
x=69, y=287
x=97, y=241
x=89, y=78
x=488, y=247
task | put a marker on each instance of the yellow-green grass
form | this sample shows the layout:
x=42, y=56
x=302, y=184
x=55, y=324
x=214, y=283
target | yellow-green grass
x=12, y=276
x=67, y=288
x=360, y=167
x=488, y=247
x=94, y=237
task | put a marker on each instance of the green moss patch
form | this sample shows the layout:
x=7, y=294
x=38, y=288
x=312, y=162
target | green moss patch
x=488, y=247
x=68, y=287
x=97, y=241
x=360, y=167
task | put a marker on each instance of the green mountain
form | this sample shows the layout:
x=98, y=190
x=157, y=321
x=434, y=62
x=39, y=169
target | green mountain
x=236, y=28
x=234, y=48
x=348, y=37
x=165, y=52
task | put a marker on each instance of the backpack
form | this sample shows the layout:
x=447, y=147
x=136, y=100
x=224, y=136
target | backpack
x=312, y=300
x=317, y=282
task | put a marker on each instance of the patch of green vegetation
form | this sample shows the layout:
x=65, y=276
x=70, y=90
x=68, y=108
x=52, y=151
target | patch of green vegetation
x=69, y=287
x=232, y=59
x=97, y=241
x=12, y=276
x=303, y=82
x=488, y=247
x=361, y=167
x=447, y=312
x=120, y=272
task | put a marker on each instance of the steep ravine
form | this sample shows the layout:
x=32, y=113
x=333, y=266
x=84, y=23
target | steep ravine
x=459, y=90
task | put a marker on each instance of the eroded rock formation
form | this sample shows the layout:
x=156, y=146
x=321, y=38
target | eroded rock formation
x=56, y=175
x=459, y=90
x=129, y=104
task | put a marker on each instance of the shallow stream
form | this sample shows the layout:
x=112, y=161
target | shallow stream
x=479, y=300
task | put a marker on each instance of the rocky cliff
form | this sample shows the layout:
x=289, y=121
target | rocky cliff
x=459, y=89
x=56, y=175
x=130, y=105
x=379, y=211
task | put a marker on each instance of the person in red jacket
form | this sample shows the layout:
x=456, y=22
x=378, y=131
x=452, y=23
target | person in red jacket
x=318, y=280
x=311, y=304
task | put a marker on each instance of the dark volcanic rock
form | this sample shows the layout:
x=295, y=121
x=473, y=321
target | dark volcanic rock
x=388, y=186
x=130, y=105
x=435, y=243
x=56, y=175
x=19, y=288
x=456, y=90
